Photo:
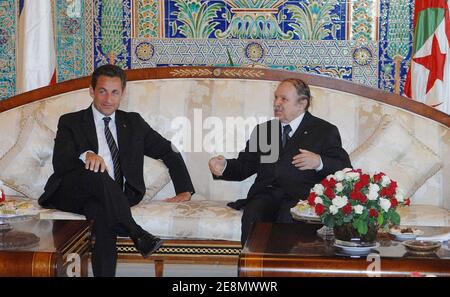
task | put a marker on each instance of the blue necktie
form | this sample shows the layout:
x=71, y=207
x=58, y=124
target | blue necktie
x=118, y=177
x=285, y=136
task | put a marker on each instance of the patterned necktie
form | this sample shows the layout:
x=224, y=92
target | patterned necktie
x=285, y=137
x=118, y=177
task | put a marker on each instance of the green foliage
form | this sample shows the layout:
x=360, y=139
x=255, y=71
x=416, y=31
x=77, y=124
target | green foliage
x=112, y=29
x=312, y=17
x=398, y=34
x=196, y=18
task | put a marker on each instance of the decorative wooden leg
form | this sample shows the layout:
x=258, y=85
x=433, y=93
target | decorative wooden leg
x=159, y=268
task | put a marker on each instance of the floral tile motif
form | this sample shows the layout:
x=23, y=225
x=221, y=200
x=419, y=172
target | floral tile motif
x=363, y=20
x=112, y=32
x=331, y=58
x=395, y=44
x=70, y=39
x=7, y=49
x=147, y=20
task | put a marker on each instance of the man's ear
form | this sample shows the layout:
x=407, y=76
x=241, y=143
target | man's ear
x=91, y=91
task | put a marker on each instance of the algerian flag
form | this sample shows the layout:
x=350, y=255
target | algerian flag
x=428, y=78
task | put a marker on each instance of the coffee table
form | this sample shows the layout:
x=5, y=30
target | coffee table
x=296, y=250
x=62, y=249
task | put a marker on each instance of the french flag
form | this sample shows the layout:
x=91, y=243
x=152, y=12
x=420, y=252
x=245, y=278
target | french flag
x=36, y=45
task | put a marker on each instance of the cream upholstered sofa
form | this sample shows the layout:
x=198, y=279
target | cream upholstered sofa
x=407, y=140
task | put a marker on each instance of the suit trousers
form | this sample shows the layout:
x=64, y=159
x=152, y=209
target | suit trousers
x=100, y=199
x=273, y=205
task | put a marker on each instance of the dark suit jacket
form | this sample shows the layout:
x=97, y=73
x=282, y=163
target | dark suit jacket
x=313, y=134
x=76, y=135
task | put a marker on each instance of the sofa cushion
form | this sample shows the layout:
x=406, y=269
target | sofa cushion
x=392, y=149
x=156, y=177
x=27, y=165
x=424, y=215
x=204, y=219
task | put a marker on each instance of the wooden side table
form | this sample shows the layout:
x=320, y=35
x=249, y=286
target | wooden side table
x=275, y=250
x=63, y=246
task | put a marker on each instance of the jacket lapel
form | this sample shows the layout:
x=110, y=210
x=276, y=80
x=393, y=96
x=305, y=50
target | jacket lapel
x=89, y=129
x=302, y=129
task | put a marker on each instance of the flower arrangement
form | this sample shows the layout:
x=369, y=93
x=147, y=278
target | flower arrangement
x=2, y=193
x=364, y=200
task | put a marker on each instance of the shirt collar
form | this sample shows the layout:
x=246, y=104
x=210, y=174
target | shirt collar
x=98, y=116
x=294, y=123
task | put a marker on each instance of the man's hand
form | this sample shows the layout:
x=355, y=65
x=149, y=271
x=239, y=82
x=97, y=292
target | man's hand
x=94, y=162
x=217, y=164
x=185, y=196
x=306, y=160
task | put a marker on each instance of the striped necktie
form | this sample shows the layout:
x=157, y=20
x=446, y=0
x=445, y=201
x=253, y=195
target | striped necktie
x=118, y=177
x=285, y=136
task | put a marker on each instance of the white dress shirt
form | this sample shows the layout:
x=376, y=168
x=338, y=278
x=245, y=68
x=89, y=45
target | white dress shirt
x=103, y=148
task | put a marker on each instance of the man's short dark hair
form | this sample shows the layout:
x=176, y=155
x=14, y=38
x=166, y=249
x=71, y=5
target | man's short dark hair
x=110, y=71
x=302, y=89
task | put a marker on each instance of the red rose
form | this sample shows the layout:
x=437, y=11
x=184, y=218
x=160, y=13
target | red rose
x=328, y=183
x=312, y=198
x=407, y=201
x=358, y=186
x=373, y=213
x=319, y=209
x=347, y=209
x=363, y=199
x=377, y=177
x=329, y=193
x=365, y=179
x=332, y=183
x=2, y=196
x=394, y=202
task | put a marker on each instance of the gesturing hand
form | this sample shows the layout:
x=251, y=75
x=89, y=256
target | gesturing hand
x=306, y=160
x=185, y=196
x=217, y=164
x=94, y=162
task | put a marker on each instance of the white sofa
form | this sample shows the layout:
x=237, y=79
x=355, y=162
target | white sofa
x=407, y=140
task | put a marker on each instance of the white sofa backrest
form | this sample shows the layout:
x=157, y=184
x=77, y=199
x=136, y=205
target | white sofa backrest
x=210, y=104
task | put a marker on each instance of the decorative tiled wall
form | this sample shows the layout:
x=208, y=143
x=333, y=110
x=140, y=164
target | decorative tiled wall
x=366, y=41
x=7, y=48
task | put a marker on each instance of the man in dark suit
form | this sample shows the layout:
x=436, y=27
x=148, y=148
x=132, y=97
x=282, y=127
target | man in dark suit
x=289, y=155
x=98, y=168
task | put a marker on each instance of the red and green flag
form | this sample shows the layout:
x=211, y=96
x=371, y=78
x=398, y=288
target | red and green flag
x=428, y=79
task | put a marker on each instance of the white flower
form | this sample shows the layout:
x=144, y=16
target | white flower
x=374, y=188
x=372, y=196
x=352, y=176
x=333, y=209
x=358, y=209
x=399, y=195
x=318, y=200
x=339, y=176
x=347, y=170
x=318, y=189
x=385, y=204
x=339, y=187
x=340, y=201
x=385, y=180
x=330, y=176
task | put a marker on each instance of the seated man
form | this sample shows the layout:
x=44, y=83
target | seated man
x=287, y=167
x=98, y=168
